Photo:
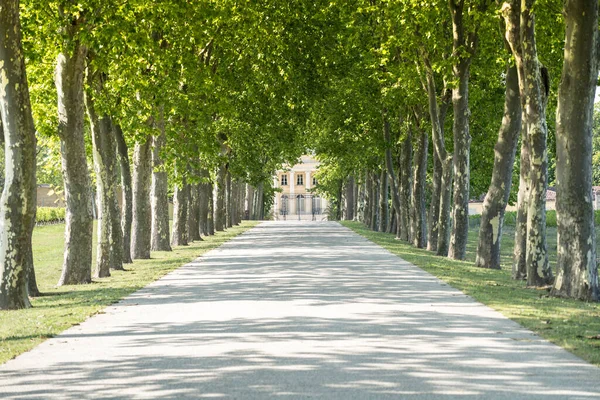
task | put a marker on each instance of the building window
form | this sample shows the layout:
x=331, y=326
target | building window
x=300, y=180
x=314, y=181
x=283, y=180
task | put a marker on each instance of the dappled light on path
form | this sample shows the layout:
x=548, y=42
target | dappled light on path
x=298, y=310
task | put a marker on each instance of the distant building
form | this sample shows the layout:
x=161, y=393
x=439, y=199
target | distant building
x=296, y=201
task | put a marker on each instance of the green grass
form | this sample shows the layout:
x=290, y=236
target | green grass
x=571, y=324
x=62, y=307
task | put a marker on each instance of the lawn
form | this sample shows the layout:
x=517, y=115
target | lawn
x=572, y=324
x=62, y=307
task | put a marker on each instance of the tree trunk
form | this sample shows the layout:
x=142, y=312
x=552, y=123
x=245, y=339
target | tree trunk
x=418, y=224
x=250, y=202
x=127, y=207
x=210, y=222
x=396, y=203
x=462, y=145
x=383, y=201
x=434, y=205
x=350, y=199
x=406, y=186
x=494, y=205
x=159, y=193
x=463, y=47
x=228, y=200
x=141, y=208
x=180, y=207
x=260, y=204
x=204, y=200
x=109, y=250
x=534, y=91
x=375, y=202
x=511, y=11
x=445, y=219
x=18, y=200
x=193, y=229
x=220, y=212
x=577, y=275
x=77, y=265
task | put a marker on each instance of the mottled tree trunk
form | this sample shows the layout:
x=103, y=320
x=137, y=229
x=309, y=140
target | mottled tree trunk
x=496, y=199
x=193, y=229
x=210, y=221
x=418, y=221
x=350, y=199
x=127, y=207
x=445, y=218
x=577, y=275
x=250, y=201
x=204, y=199
x=228, y=200
x=434, y=205
x=109, y=250
x=180, y=207
x=519, y=269
x=406, y=186
x=260, y=203
x=18, y=200
x=141, y=207
x=375, y=202
x=77, y=265
x=534, y=92
x=368, y=199
x=383, y=201
x=393, y=182
x=159, y=193
x=461, y=159
x=220, y=212
x=463, y=48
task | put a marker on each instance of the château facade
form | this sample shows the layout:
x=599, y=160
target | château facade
x=296, y=200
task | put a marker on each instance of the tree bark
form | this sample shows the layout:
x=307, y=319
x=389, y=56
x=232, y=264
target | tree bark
x=159, y=193
x=577, y=275
x=220, y=212
x=204, y=194
x=228, y=200
x=534, y=89
x=383, y=201
x=18, y=200
x=394, y=188
x=193, y=229
x=418, y=224
x=496, y=199
x=368, y=192
x=374, y=202
x=210, y=221
x=445, y=218
x=77, y=264
x=126, y=185
x=350, y=199
x=463, y=49
x=180, y=207
x=141, y=208
x=250, y=201
x=406, y=186
x=109, y=250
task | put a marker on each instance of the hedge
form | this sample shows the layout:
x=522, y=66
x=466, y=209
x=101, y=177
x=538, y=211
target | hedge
x=510, y=219
x=50, y=215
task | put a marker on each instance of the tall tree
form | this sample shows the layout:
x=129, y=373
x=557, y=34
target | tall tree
x=18, y=200
x=496, y=199
x=70, y=69
x=576, y=261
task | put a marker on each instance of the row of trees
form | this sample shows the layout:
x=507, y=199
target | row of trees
x=470, y=67
x=192, y=99
x=180, y=97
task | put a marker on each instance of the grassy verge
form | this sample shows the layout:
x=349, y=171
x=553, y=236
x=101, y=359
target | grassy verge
x=574, y=325
x=63, y=307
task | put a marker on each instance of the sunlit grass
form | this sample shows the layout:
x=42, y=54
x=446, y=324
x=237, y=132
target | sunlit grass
x=569, y=323
x=59, y=308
